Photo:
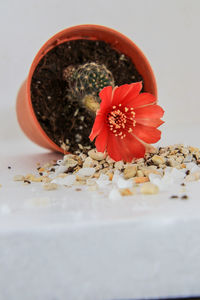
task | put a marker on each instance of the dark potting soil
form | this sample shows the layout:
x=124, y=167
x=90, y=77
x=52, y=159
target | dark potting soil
x=64, y=120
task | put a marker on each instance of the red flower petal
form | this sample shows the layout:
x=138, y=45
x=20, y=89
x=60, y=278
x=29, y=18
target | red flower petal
x=141, y=100
x=147, y=112
x=102, y=139
x=150, y=122
x=125, y=149
x=131, y=148
x=126, y=92
x=106, y=96
x=113, y=147
x=147, y=134
x=97, y=127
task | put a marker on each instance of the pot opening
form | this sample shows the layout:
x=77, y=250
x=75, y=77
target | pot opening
x=65, y=87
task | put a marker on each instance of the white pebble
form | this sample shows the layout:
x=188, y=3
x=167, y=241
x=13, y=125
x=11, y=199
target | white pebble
x=86, y=172
x=103, y=180
x=89, y=162
x=124, y=183
x=68, y=180
x=70, y=162
x=60, y=169
x=188, y=158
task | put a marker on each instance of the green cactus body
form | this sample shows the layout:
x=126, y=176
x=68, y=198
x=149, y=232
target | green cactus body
x=87, y=81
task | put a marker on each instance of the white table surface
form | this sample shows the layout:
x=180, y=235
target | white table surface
x=65, y=244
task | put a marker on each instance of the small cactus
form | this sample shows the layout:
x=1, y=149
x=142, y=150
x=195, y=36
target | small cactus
x=86, y=81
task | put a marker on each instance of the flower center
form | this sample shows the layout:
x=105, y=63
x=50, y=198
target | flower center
x=121, y=120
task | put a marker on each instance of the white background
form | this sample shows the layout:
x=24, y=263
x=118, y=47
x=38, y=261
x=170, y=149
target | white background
x=166, y=31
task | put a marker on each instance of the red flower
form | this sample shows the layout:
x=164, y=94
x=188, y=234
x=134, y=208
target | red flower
x=126, y=122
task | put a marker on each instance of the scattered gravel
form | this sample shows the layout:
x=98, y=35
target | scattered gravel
x=158, y=171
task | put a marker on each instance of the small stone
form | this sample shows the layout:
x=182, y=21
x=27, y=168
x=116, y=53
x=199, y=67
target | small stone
x=149, y=170
x=89, y=163
x=163, y=151
x=96, y=175
x=50, y=186
x=82, y=156
x=98, y=167
x=70, y=163
x=26, y=182
x=130, y=171
x=138, y=161
x=62, y=175
x=180, y=159
x=119, y=165
x=138, y=180
x=68, y=180
x=80, y=146
x=18, y=178
x=194, y=149
x=184, y=197
x=152, y=167
x=182, y=166
x=140, y=173
x=104, y=170
x=78, y=137
x=174, y=197
x=149, y=188
x=105, y=165
x=79, y=181
x=127, y=192
x=185, y=151
x=193, y=177
x=158, y=160
x=64, y=147
x=187, y=159
x=96, y=155
x=61, y=169
x=110, y=175
x=86, y=172
x=34, y=178
x=172, y=162
x=109, y=160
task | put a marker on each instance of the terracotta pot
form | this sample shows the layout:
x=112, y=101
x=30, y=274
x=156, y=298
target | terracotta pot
x=25, y=112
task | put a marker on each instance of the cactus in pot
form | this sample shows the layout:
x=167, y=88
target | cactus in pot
x=86, y=81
